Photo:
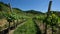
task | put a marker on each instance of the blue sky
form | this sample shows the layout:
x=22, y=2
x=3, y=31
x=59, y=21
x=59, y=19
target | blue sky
x=39, y=5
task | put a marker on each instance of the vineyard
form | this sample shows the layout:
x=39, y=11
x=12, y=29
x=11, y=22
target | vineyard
x=28, y=22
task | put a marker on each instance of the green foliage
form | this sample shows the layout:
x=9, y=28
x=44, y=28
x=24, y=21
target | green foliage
x=52, y=19
x=27, y=28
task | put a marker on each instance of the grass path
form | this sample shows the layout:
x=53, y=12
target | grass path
x=27, y=28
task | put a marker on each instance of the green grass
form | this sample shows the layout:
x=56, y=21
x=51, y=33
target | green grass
x=28, y=28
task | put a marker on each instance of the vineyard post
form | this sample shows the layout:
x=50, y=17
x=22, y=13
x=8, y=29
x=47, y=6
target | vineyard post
x=12, y=13
x=9, y=13
x=9, y=27
x=49, y=8
x=0, y=6
x=1, y=10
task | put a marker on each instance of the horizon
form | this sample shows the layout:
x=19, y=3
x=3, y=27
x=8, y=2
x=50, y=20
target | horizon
x=37, y=5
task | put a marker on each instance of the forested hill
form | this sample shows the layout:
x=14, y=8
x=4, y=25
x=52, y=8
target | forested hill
x=34, y=12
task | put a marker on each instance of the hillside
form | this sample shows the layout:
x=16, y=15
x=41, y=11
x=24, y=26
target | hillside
x=33, y=20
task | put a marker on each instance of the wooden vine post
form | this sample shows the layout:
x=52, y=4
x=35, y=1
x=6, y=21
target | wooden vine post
x=49, y=8
x=0, y=6
x=9, y=19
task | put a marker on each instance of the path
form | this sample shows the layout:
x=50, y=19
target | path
x=11, y=32
x=42, y=27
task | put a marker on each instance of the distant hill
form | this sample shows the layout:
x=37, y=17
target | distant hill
x=33, y=12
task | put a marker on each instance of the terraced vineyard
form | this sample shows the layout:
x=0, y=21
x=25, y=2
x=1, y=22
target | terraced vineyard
x=17, y=21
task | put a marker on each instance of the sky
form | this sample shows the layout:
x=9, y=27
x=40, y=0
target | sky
x=38, y=5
